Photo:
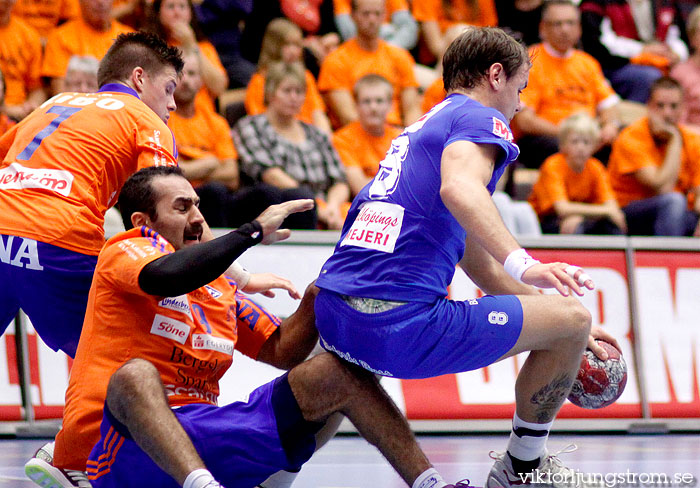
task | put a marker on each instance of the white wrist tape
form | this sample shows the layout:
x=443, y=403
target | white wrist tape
x=518, y=262
x=239, y=274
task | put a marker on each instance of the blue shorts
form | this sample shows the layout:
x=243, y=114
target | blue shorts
x=50, y=284
x=420, y=340
x=242, y=443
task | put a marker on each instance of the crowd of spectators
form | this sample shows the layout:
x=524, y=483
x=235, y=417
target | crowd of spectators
x=607, y=130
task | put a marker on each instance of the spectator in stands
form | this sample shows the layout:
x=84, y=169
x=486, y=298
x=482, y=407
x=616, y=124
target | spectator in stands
x=20, y=61
x=363, y=144
x=573, y=194
x=399, y=27
x=436, y=16
x=283, y=42
x=563, y=80
x=635, y=41
x=276, y=148
x=81, y=74
x=207, y=156
x=89, y=35
x=520, y=19
x=5, y=121
x=46, y=15
x=687, y=73
x=435, y=92
x=174, y=20
x=131, y=12
x=368, y=53
x=655, y=168
x=220, y=20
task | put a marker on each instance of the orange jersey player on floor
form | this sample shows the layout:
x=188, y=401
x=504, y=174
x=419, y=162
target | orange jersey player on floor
x=63, y=166
x=190, y=338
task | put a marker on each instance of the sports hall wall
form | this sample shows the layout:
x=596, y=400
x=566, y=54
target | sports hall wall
x=647, y=295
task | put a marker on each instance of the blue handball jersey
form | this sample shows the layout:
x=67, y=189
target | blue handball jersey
x=399, y=241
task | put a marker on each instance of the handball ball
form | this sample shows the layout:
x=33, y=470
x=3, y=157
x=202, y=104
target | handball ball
x=599, y=383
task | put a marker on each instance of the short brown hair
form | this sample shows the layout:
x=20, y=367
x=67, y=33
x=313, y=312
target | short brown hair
x=135, y=49
x=468, y=59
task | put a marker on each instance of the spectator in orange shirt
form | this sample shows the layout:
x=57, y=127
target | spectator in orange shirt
x=20, y=60
x=688, y=72
x=573, y=194
x=46, y=15
x=89, y=35
x=368, y=53
x=655, y=168
x=437, y=16
x=283, y=41
x=563, y=80
x=399, y=27
x=176, y=22
x=208, y=158
x=362, y=144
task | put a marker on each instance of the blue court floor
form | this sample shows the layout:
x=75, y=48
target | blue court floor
x=349, y=462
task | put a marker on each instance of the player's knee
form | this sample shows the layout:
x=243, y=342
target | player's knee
x=131, y=376
x=579, y=321
x=348, y=377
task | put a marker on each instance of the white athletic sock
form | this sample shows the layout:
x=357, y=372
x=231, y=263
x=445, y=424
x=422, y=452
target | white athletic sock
x=430, y=478
x=198, y=479
x=528, y=439
x=281, y=479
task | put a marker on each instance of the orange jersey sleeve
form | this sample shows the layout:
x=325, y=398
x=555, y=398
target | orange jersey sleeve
x=356, y=147
x=347, y=64
x=255, y=326
x=45, y=15
x=458, y=11
x=76, y=37
x=255, y=98
x=20, y=60
x=560, y=86
x=558, y=182
x=63, y=166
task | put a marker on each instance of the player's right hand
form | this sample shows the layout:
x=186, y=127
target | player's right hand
x=560, y=276
x=274, y=215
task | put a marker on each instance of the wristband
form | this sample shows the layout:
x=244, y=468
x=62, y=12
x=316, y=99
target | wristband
x=239, y=274
x=518, y=262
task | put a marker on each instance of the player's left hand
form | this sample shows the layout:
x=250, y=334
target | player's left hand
x=602, y=334
x=263, y=283
x=561, y=276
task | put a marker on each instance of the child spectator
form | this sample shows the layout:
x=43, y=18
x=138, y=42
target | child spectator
x=573, y=194
x=283, y=42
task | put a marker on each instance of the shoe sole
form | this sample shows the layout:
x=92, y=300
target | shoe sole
x=45, y=475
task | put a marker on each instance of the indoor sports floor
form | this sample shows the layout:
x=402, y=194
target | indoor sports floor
x=349, y=462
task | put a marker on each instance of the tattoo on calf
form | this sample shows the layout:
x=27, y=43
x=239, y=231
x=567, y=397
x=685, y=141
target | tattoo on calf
x=550, y=397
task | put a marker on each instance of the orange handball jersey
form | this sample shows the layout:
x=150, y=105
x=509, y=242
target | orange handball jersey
x=63, y=166
x=189, y=338
x=557, y=182
x=635, y=149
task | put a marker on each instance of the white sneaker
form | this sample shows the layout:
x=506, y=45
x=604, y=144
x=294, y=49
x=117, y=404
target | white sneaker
x=41, y=471
x=550, y=473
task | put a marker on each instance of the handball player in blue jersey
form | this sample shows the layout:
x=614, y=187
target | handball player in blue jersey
x=382, y=302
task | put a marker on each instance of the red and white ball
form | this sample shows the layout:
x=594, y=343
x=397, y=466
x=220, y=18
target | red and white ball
x=599, y=383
